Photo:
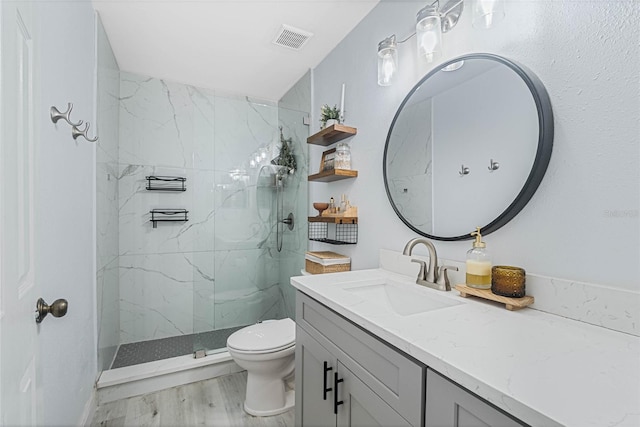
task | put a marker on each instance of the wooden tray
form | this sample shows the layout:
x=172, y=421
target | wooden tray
x=511, y=303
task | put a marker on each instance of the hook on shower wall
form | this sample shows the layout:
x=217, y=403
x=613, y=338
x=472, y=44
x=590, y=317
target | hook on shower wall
x=75, y=127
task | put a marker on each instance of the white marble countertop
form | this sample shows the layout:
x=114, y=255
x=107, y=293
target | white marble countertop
x=543, y=369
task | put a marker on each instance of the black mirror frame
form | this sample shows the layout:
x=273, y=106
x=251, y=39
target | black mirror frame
x=543, y=152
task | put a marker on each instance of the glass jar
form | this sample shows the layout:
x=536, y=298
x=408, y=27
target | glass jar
x=478, y=268
x=343, y=156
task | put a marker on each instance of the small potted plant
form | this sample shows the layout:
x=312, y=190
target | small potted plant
x=329, y=115
x=286, y=157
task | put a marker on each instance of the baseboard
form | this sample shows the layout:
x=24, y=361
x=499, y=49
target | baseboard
x=130, y=381
x=89, y=410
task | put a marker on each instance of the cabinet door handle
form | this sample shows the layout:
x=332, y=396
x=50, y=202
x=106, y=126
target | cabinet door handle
x=326, y=389
x=336, y=403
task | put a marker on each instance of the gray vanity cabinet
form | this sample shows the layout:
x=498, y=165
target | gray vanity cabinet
x=362, y=407
x=451, y=405
x=353, y=404
x=376, y=385
x=314, y=382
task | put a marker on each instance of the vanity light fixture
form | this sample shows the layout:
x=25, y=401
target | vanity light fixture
x=431, y=22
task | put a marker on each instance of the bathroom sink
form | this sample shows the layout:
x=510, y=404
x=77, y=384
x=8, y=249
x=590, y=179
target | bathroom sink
x=400, y=298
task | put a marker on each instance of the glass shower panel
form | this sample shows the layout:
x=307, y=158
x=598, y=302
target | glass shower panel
x=166, y=129
x=291, y=258
x=244, y=288
x=107, y=275
x=294, y=107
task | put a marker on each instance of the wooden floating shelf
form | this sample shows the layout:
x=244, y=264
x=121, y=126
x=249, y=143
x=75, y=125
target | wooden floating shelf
x=331, y=134
x=334, y=219
x=510, y=303
x=333, y=175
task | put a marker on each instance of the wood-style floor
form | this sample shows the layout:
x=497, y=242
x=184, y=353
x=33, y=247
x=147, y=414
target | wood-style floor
x=215, y=402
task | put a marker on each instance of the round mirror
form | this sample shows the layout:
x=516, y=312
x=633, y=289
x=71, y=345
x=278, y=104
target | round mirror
x=468, y=147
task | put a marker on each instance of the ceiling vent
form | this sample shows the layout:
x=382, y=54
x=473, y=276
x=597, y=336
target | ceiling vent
x=292, y=38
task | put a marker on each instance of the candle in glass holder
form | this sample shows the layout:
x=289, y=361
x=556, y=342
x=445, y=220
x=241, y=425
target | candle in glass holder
x=508, y=281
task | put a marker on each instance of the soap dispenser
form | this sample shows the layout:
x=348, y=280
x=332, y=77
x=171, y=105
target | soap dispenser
x=478, y=264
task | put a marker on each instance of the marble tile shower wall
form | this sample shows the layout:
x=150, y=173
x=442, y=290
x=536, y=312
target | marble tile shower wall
x=219, y=269
x=412, y=166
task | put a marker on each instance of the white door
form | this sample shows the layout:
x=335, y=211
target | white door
x=19, y=392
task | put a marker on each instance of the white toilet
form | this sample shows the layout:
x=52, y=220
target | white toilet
x=266, y=350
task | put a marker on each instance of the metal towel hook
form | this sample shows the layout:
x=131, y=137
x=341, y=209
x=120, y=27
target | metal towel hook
x=463, y=170
x=76, y=132
x=57, y=115
x=493, y=166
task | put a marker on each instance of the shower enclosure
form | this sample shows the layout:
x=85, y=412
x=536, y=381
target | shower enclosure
x=186, y=285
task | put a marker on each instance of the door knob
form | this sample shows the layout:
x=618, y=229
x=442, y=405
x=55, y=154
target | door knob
x=57, y=309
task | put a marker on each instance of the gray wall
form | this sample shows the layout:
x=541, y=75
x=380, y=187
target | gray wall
x=65, y=50
x=582, y=224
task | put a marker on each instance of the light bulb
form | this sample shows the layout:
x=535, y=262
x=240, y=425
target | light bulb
x=428, y=33
x=387, y=61
x=388, y=70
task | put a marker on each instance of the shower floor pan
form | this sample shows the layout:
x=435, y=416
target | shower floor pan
x=165, y=348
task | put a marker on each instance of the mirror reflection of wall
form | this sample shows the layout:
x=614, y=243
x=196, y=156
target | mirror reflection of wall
x=491, y=116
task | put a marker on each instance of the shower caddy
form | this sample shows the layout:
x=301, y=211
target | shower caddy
x=167, y=183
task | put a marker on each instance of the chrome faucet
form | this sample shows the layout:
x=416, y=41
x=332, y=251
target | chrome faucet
x=429, y=276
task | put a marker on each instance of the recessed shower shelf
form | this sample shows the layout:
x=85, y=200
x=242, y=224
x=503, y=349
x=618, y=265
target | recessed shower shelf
x=168, y=215
x=166, y=183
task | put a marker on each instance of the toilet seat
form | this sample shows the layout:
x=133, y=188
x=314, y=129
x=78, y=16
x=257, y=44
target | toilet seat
x=266, y=337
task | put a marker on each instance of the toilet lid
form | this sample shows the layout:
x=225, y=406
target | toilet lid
x=268, y=335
